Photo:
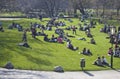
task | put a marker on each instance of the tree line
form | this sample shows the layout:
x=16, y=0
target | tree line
x=54, y=7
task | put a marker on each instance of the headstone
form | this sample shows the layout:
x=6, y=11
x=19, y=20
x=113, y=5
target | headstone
x=9, y=65
x=58, y=69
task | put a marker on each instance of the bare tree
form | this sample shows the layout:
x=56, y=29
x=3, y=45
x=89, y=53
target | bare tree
x=6, y=5
x=96, y=5
x=81, y=5
x=117, y=6
x=52, y=7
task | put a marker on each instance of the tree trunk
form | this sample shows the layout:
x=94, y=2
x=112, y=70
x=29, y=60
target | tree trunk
x=75, y=10
x=97, y=11
x=103, y=13
x=82, y=11
x=117, y=12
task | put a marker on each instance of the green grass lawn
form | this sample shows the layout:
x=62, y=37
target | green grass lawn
x=45, y=55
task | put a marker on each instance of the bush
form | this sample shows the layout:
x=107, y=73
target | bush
x=76, y=15
x=61, y=15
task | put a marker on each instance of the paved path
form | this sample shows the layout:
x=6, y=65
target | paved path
x=10, y=18
x=27, y=74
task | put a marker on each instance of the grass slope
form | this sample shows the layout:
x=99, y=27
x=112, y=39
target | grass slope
x=45, y=56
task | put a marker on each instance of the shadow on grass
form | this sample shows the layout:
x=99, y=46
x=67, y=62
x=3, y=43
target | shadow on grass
x=86, y=54
x=35, y=40
x=38, y=40
x=116, y=70
x=35, y=60
x=88, y=73
x=40, y=51
x=117, y=57
x=77, y=35
x=103, y=66
x=7, y=56
x=45, y=53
